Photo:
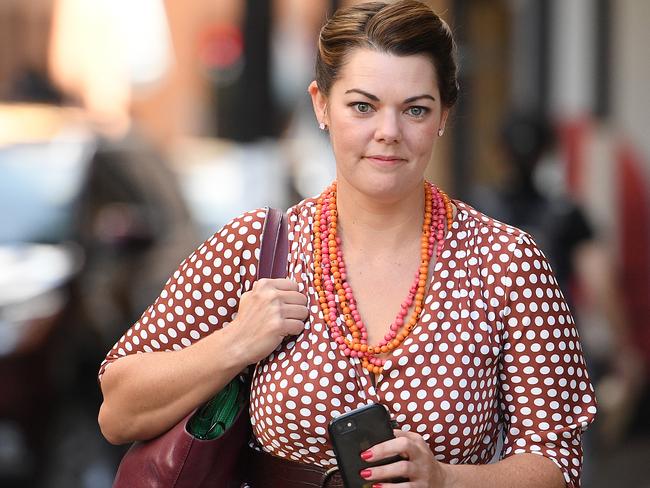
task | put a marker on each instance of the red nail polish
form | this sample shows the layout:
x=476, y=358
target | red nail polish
x=365, y=474
x=366, y=455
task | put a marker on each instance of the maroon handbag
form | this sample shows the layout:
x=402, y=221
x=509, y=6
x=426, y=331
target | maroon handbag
x=177, y=459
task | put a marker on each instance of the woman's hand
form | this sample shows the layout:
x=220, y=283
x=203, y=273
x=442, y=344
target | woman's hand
x=270, y=311
x=418, y=465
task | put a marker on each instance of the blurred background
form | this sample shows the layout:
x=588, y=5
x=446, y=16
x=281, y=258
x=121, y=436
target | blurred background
x=131, y=131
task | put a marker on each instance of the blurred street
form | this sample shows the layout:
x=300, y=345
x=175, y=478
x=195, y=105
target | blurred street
x=132, y=131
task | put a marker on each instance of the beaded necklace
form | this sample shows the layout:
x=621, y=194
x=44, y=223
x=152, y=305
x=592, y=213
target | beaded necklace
x=334, y=292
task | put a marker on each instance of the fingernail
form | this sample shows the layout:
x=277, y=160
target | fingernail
x=376, y=485
x=365, y=455
x=365, y=474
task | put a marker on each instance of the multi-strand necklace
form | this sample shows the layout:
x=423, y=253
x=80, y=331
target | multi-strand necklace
x=334, y=292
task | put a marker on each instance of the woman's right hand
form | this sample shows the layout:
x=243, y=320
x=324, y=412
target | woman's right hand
x=270, y=311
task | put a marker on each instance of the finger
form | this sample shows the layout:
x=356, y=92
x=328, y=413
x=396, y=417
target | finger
x=297, y=312
x=284, y=284
x=388, y=472
x=293, y=297
x=407, y=434
x=416, y=445
x=393, y=447
x=293, y=327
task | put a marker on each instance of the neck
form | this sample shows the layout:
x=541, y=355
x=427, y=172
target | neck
x=367, y=223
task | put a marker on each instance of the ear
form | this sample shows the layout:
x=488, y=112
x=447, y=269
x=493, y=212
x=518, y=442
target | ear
x=319, y=101
x=443, y=118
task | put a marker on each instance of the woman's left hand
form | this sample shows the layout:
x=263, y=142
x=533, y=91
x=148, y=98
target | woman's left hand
x=418, y=464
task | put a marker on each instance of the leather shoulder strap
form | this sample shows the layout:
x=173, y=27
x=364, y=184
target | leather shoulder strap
x=275, y=246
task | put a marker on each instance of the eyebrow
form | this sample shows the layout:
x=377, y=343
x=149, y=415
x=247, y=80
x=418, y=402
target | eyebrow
x=376, y=99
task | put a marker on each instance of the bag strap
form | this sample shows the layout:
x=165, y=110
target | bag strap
x=274, y=251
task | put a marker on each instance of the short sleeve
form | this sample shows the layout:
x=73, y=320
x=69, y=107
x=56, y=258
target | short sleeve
x=203, y=293
x=546, y=398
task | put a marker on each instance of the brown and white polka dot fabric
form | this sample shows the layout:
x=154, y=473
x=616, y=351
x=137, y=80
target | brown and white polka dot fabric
x=495, y=352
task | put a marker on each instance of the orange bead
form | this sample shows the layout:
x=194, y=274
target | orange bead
x=328, y=239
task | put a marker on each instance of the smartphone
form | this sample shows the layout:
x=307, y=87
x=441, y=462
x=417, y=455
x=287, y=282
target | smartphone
x=354, y=432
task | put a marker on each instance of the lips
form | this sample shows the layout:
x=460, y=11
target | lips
x=384, y=158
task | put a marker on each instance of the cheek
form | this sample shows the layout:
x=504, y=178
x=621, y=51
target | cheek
x=422, y=141
x=349, y=137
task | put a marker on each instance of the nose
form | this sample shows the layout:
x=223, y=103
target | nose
x=388, y=128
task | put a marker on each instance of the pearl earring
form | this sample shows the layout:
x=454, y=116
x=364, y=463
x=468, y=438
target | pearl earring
x=322, y=126
x=441, y=131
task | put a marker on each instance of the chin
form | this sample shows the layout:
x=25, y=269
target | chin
x=386, y=187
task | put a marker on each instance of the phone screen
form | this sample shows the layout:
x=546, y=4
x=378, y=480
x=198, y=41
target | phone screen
x=354, y=432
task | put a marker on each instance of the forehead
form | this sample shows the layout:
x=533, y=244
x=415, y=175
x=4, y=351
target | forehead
x=382, y=73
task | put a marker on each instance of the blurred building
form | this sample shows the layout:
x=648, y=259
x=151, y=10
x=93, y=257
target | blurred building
x=216, y=92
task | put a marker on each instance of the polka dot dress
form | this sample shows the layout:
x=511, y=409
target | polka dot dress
x=494, y=354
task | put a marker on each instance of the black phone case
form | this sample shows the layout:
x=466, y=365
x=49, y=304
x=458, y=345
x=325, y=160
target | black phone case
x=354, y=432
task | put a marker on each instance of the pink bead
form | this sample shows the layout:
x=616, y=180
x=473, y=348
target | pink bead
x=346, y=351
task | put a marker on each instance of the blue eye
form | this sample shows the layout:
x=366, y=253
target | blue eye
x=417, y=111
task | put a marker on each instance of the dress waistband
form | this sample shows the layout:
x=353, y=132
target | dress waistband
x=264, y=470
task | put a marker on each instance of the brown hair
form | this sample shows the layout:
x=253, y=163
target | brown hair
x=402, y=28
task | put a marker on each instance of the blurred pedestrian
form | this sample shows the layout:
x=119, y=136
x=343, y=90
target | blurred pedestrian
x=532, y=197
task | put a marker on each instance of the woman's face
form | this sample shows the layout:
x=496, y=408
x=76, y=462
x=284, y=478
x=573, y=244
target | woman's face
x=383, y=115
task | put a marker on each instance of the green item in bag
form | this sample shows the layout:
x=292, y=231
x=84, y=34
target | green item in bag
x=215, y=417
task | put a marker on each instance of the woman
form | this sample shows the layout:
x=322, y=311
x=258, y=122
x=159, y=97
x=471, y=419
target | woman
x=482, y=346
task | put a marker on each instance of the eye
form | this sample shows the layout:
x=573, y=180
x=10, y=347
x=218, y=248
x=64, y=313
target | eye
x=417, y=111
x=361, y=107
